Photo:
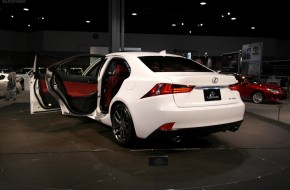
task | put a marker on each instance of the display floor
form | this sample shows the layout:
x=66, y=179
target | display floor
x=52, y=151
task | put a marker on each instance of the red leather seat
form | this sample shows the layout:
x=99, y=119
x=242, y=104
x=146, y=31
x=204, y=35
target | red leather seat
x=114, y=82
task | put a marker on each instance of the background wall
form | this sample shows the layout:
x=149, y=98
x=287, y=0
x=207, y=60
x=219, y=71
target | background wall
x=80, y=42
x=15, y=41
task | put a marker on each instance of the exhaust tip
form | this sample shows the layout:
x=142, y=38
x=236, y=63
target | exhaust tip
x=177, y=139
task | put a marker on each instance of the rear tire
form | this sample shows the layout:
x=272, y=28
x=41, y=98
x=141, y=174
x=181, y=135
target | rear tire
x=258, y=97
x=122, y=125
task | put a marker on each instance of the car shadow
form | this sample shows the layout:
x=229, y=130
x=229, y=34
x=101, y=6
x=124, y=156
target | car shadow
x=264, y=103
x=175, y=143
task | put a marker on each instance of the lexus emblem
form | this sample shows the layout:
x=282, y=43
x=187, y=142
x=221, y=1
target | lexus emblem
x=215, y=80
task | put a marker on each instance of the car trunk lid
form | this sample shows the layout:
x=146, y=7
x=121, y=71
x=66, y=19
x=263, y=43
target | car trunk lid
x=209, y=89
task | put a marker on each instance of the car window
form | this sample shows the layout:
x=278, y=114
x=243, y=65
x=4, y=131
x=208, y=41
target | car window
x=5, y=70
x=83, y=65
x=2, y=77
x=253, y=80
x=95, y=67
x=24, y=71
x=239, y=78
x=75, y=67
x=172, y=64
x=44, y=61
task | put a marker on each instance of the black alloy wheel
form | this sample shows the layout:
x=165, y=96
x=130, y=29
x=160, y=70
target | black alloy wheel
x=122, y=125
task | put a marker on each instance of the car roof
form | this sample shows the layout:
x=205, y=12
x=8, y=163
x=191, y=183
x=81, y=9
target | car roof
x=26, y=68
x=143, y=53
x=4, y=70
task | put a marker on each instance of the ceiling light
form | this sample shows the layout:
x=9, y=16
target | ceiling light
x=253, y=28
x=203, y=3
x=25, y=9
x=12, y=16
x=88, y=21
x=134, y=14
x=173, y=25
x=233, y=18
x=229, y=13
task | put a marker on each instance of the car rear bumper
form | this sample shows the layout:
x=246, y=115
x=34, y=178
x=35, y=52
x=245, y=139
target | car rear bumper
x=216, y=118
x=197, y=132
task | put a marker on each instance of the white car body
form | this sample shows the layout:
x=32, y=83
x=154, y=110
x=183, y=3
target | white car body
x=208, y=105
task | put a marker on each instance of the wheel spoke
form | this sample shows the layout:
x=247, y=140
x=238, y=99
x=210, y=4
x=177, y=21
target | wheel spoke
x=122, y=125
x=257, y=97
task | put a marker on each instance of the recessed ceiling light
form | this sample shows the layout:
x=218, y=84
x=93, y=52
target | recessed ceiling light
x=233, y=18
x=134, y=14
x=88, y=21
x=25, y=9
x=203, y=3
x=253, y=28
x=173, y=25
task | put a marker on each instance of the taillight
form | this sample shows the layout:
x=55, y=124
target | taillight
x=234, y=86
x=166, y=126
x=165, y=88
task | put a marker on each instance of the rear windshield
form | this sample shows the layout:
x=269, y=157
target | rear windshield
x=172, y=64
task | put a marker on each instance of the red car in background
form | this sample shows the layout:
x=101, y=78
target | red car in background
x=254, y=89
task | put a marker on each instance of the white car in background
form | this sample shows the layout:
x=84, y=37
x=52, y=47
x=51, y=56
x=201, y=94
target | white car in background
x=23, y=74
x=3, y=84
x=140, y=94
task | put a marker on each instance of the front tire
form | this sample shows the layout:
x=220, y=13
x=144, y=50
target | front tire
x=258, y=97
x=122, y=125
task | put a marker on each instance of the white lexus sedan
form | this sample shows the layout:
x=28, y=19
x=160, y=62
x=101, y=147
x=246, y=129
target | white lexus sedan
x=140, y=94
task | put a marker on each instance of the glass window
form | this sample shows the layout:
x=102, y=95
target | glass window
x=172, y=64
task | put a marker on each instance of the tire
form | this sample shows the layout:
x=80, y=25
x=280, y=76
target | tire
x=258, y=97
x=122, y=125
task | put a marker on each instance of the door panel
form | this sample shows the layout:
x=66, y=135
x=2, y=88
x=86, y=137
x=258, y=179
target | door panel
x=40, y=99
x=74, y=85
x=78, y=90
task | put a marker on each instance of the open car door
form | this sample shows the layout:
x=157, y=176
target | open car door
x=73, y=82
x=40, y=99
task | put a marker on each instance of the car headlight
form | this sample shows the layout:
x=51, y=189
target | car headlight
x=273, y=90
